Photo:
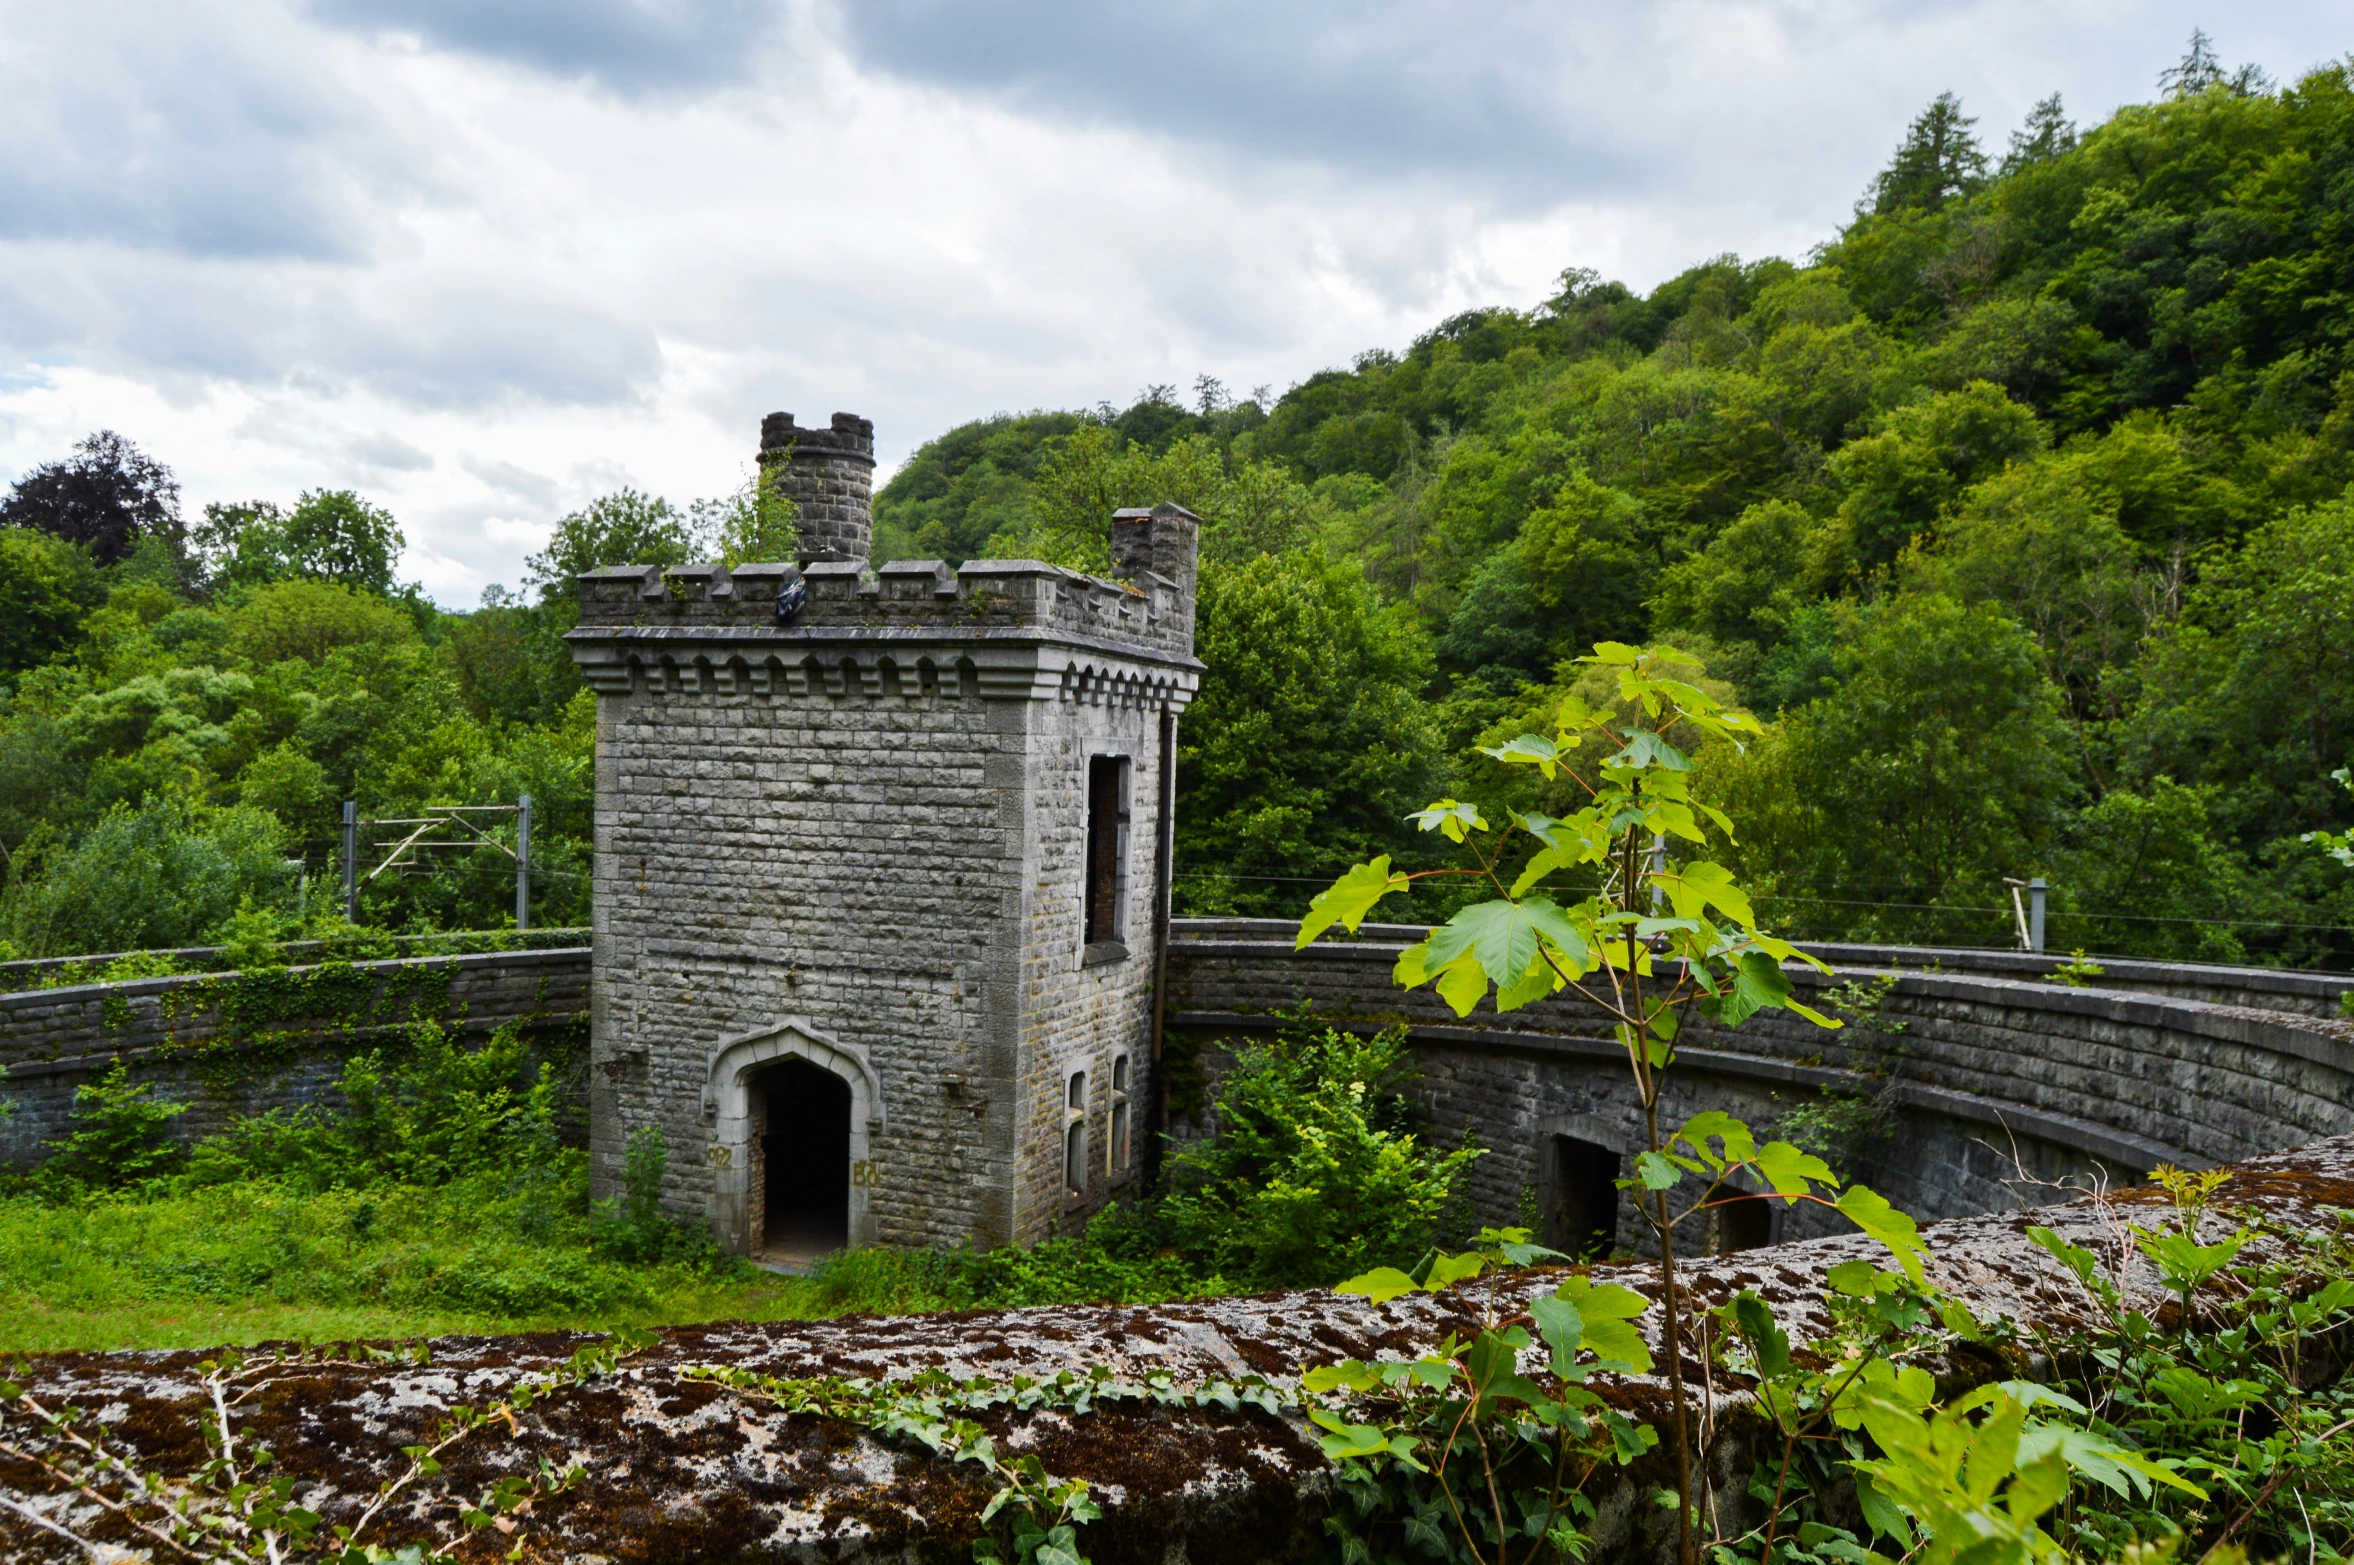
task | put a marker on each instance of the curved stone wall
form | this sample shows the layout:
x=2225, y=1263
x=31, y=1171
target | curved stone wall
x=1987, y=1079
x=279, y=1043
x=1984, y=1067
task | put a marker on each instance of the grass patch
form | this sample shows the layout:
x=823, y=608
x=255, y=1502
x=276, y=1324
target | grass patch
x=259, y=1259
x=437, y=1200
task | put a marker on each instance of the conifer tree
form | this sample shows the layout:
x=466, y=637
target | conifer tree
x=1939, y=160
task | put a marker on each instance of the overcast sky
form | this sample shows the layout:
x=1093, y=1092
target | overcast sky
x=484, y=259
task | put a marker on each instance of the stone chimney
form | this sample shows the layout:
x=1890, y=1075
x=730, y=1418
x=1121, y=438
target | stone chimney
x=1163, y=542
x=829, y=475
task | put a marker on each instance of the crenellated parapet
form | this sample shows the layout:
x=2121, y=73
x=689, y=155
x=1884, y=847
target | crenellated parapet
x=908, y=630
x=924, y=596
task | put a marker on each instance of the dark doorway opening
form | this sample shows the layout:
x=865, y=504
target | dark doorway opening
x=1581, y=1207
x=804, y=1173
x=1745, y=1222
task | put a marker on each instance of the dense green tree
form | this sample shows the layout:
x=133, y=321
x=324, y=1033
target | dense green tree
x=1307, y=743
x=2253, y=687
x=330, y=535
x=47, y=587
x=1938, y=161
x=1937, y=766
x=166, y=873
x=622, y=528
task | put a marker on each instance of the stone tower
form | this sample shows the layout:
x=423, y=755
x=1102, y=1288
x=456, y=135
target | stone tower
x=881, y=875
x=829, y=476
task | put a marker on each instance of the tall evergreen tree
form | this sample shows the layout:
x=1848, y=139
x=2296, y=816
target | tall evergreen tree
x=1939, y=160
x=2195, y=72
x=2048, y=134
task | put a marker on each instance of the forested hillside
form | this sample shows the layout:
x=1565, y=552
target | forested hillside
x=2021, y=507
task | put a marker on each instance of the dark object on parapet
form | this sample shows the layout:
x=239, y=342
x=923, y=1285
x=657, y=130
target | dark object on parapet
x=829, y=476
x=792, y=595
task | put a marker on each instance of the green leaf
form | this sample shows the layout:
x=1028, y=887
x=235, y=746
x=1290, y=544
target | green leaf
x=1647, y=749
x=1793, y=1172
x=1617, y=1345
x=2081, y=1261
x=1541, y=982
x=1447, y=1270
x=1381, y=1284
x=1562, y=1327
x=1347, y=900
x=1766, y=1337
x=1541, y=864
x=1604, y=1301
x=1507, y=939
x=1715, y=1125
x=1452, y=817
x=1870, y=1212
x=1695, y=888
x=1759, y=984
x=1852, y=1279
x=1461, y=983
x=1657, y=1171
x=1529, y=750
x=1346, y=1439
x=1881, y=1513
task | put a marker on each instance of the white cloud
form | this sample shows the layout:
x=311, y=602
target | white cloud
x=486, y=261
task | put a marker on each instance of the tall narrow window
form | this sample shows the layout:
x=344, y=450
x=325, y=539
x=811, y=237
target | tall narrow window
x=1116, y=1155
x=1075, y=1135
x=1107, y=857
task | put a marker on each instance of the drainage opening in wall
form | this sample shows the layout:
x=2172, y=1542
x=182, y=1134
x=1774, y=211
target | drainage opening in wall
x=1581, y=1197
x=1743, y=1222
x=801, y=1162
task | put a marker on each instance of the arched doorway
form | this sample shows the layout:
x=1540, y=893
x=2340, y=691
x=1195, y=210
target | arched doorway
x=1579, y=1195
x=801, y=1161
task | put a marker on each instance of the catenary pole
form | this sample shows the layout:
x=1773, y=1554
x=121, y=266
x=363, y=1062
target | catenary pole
x=351, y=861
x=523, y=861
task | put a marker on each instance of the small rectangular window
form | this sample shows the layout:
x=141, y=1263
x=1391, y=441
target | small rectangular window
x=1107, y=856
x=1075, y=1135
x=1116, y=1154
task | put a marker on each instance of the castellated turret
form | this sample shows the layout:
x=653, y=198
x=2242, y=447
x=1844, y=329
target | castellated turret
x=882, y=873
x=829, y=475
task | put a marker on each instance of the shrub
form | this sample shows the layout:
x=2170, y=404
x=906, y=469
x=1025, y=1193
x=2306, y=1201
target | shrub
x=632, y=1227
x=117, y=1137
x=164, y=874
x=1314, y=1172
x=309, y=619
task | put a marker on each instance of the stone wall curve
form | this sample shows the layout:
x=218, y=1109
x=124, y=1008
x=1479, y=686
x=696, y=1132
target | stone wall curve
x=190, y=1038
x=2000, y=1075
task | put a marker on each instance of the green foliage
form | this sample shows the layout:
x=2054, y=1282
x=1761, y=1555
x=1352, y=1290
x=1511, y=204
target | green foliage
x=1938, y=765
x=1314, y=1171
x=432, y=1113
x=1307, y=739
x=117, y=1137
x=330, y=535
x=2102, y=394
x=632, y=1226
x=1456, y=1454
x=47, y=587
x=168, y=873
x=307, y=620
x=622, y=528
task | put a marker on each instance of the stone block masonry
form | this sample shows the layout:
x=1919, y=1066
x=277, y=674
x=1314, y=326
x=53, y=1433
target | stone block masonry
x=881, y=842
x=230, y=1044
x=1980, y=1078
